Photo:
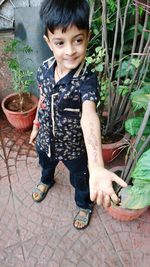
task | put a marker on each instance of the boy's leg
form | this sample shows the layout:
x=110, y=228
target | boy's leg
x=79, y=178
x=47, y=178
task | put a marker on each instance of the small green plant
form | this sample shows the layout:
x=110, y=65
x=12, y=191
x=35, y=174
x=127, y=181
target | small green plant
x=96, y=61
x=22, y=77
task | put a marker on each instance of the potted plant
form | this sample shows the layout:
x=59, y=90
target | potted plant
x=111, y=147
x=121, y=30
x=19, y=107
x=136, y=197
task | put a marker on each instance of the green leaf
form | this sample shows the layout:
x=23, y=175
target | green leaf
x=142, y=168
x=123, y=70
x=123, y=90
x=137, y=197
x=135, y=62
x=127, y=82
x=129, y=34
x=96, y=31
x=99, y=68
x=140, y=101
x=98, y=48
x=132, y=126
x=144, y=90
x=146, y=33
x=27, y=49
x=89, y=60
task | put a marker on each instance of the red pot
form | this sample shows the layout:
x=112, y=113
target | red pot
x=111, y=151
x=20, y=120
x=122, y=214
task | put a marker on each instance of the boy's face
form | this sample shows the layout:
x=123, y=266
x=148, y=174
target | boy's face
x=69, y=48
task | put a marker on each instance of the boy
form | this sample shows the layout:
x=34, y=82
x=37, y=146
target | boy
x=66, y=126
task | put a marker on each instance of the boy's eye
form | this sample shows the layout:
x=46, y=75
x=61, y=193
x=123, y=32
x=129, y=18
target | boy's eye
x=60, y=43
x=78, y=41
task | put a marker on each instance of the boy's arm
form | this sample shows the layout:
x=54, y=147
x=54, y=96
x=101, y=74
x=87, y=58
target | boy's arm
x=35, y=128
x=101, y=190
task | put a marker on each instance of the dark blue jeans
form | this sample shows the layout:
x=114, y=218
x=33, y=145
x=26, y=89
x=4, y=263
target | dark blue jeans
x=79, y=176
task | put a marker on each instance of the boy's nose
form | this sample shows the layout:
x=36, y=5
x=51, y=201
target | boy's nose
x=69, y=50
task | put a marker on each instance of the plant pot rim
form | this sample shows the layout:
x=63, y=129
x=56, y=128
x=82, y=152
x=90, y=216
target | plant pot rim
x=21, y=112
x=118, y=143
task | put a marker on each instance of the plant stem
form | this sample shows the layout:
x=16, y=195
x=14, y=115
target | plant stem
x=131, y=163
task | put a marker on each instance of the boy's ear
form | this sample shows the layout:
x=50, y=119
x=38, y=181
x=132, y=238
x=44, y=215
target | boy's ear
x=47, y=41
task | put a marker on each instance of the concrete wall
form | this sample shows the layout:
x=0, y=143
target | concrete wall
x=23, y=15
x=8, y=10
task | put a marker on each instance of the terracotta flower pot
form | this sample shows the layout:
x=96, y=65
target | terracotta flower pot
x=122, y=214
x=20, y=120
x=111, y=151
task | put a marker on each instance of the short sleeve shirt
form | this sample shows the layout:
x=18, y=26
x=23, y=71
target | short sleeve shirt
x=60, y=135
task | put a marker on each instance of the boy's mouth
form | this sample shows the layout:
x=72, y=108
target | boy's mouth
x=71, y=60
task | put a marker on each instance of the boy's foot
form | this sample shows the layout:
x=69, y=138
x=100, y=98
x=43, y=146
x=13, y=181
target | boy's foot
x=40, y=192
x=82, y=219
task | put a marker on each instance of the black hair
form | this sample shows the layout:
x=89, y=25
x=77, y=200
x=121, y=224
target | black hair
x=63, y=13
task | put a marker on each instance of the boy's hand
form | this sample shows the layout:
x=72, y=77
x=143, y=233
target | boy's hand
x=33, y=135
x=101, y=190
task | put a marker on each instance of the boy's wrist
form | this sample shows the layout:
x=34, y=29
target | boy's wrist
x=95, y=166
x=36, y=123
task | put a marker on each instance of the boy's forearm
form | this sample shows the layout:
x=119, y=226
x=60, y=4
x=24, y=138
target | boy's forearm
x=36, y=123
x=92, y=136
x=36, y=116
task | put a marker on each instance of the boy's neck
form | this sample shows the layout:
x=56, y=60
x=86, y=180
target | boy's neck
x=59, y=74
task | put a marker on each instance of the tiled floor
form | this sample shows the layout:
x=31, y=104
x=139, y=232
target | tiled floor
x=42, y=235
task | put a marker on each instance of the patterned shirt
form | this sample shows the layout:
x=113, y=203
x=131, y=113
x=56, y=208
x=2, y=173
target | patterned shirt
x=60, y=135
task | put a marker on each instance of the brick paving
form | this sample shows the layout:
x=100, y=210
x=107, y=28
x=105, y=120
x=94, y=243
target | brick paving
x=42, y=234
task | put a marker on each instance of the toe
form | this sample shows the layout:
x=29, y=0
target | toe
x=79, y=223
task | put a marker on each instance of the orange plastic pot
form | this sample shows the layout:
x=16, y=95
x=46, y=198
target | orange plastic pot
x=122, y=214
x=20, y=120
x=111, y=151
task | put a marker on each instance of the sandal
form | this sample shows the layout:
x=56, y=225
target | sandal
x=41, y=194
x=85, y=219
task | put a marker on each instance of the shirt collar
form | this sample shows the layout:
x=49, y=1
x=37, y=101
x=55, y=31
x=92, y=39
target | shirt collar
x=68, y=77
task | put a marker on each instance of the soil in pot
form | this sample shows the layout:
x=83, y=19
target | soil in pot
x=22, y=120
x=14, y=103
